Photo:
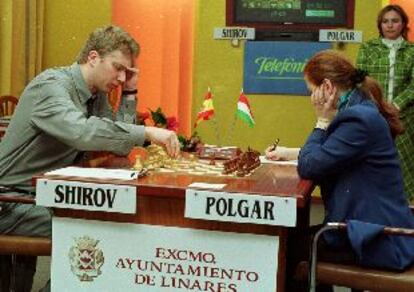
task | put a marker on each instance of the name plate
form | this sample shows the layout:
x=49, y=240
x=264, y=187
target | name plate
x=86, y=196
x=336, y=35
x=229, y=33
x=240, y=208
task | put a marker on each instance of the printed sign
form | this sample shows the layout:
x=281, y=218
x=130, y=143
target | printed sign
x=241, y=208
x=277, y=67
x=86, y=196
x=229, y=33
x=336, y=35
x=100, y=256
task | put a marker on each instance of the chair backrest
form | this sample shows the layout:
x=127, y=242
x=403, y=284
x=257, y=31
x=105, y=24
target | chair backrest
x=342, y=226
x=23, y=245
x=7, y=105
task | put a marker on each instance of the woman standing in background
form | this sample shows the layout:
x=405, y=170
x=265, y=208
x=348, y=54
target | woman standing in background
x=390, y=60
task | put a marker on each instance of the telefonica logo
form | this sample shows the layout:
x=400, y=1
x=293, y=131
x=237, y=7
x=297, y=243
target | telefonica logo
x=273, y=66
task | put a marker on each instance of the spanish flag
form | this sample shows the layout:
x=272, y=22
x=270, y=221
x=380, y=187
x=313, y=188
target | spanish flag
x=207, y=110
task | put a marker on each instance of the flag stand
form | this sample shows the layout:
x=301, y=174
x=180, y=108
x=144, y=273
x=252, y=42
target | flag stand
x=216, y=131
x=231, y=130
x=207, y=111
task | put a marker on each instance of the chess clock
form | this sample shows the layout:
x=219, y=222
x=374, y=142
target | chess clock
x=214, y=152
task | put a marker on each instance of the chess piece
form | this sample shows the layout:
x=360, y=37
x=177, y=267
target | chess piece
x=213, y=159
x=138, y=163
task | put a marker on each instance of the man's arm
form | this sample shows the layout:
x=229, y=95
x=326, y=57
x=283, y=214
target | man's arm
x=127, y=111
x=55, y=113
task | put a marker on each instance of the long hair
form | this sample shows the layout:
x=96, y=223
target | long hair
x=340, y=71
x=404, y=18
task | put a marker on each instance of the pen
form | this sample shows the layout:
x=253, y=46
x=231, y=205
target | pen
x=274, y=145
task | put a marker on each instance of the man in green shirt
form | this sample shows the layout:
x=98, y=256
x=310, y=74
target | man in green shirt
x=62, y=113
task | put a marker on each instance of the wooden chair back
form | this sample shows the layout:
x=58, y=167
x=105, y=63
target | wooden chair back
x=7, y=105
x=23, y=245
x=355, y=277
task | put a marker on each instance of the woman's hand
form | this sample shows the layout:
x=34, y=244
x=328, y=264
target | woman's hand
x=323, y=99
x=278, y=153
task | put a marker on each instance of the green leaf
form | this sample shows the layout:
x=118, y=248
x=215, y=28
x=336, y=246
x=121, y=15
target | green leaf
x=158, y=117
x=183, y=141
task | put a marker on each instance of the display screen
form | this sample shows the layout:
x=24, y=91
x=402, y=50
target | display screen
x=268, y=13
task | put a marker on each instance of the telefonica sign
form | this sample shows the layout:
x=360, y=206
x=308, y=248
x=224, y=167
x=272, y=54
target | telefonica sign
x=277, y=67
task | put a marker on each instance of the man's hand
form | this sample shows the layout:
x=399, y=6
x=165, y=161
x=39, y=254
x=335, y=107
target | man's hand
x=131, y=79
x=166, y=138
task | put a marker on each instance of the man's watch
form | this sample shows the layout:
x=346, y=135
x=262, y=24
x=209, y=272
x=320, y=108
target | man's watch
x=130, y=91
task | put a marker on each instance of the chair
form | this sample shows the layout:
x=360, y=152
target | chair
x=7, y=105
x=354, y=276
x=15, y=245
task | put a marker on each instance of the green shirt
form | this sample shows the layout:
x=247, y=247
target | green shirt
x=373, y=57
x=51, y=125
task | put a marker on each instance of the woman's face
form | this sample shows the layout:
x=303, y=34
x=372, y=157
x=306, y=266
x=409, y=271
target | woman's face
x=391, y=25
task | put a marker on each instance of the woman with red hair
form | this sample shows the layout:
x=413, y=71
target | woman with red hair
x=352, y=156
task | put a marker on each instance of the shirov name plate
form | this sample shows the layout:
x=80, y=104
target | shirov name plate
x=86, y=196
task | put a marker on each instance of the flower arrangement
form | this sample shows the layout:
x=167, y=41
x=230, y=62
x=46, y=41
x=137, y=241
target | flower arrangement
x=159, y=119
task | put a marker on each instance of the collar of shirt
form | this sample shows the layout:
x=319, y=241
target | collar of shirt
x=378, y=42
x=80, y=83
x=393, y=44
x=355, y=96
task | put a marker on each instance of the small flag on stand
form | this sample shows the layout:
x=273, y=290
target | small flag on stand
x=244, y=111
x=207, y=110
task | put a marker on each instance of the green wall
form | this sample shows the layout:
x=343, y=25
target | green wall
x=67, y=26
x=220, y=66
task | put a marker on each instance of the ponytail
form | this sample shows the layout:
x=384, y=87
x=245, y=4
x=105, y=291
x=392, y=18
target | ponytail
x=389, y=111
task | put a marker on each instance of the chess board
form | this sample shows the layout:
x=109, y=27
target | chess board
x=193, y=167
x=157, y=160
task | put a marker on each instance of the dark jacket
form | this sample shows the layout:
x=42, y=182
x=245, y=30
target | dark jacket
x=356, y=164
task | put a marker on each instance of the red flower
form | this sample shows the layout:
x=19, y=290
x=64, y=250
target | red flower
x=143, y=116
x=172, y=124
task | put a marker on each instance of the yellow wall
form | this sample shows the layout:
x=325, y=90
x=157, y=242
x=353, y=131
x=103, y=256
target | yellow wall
x=67, y=26
x=216, y=64
x=5, y=46
x=219, y=65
